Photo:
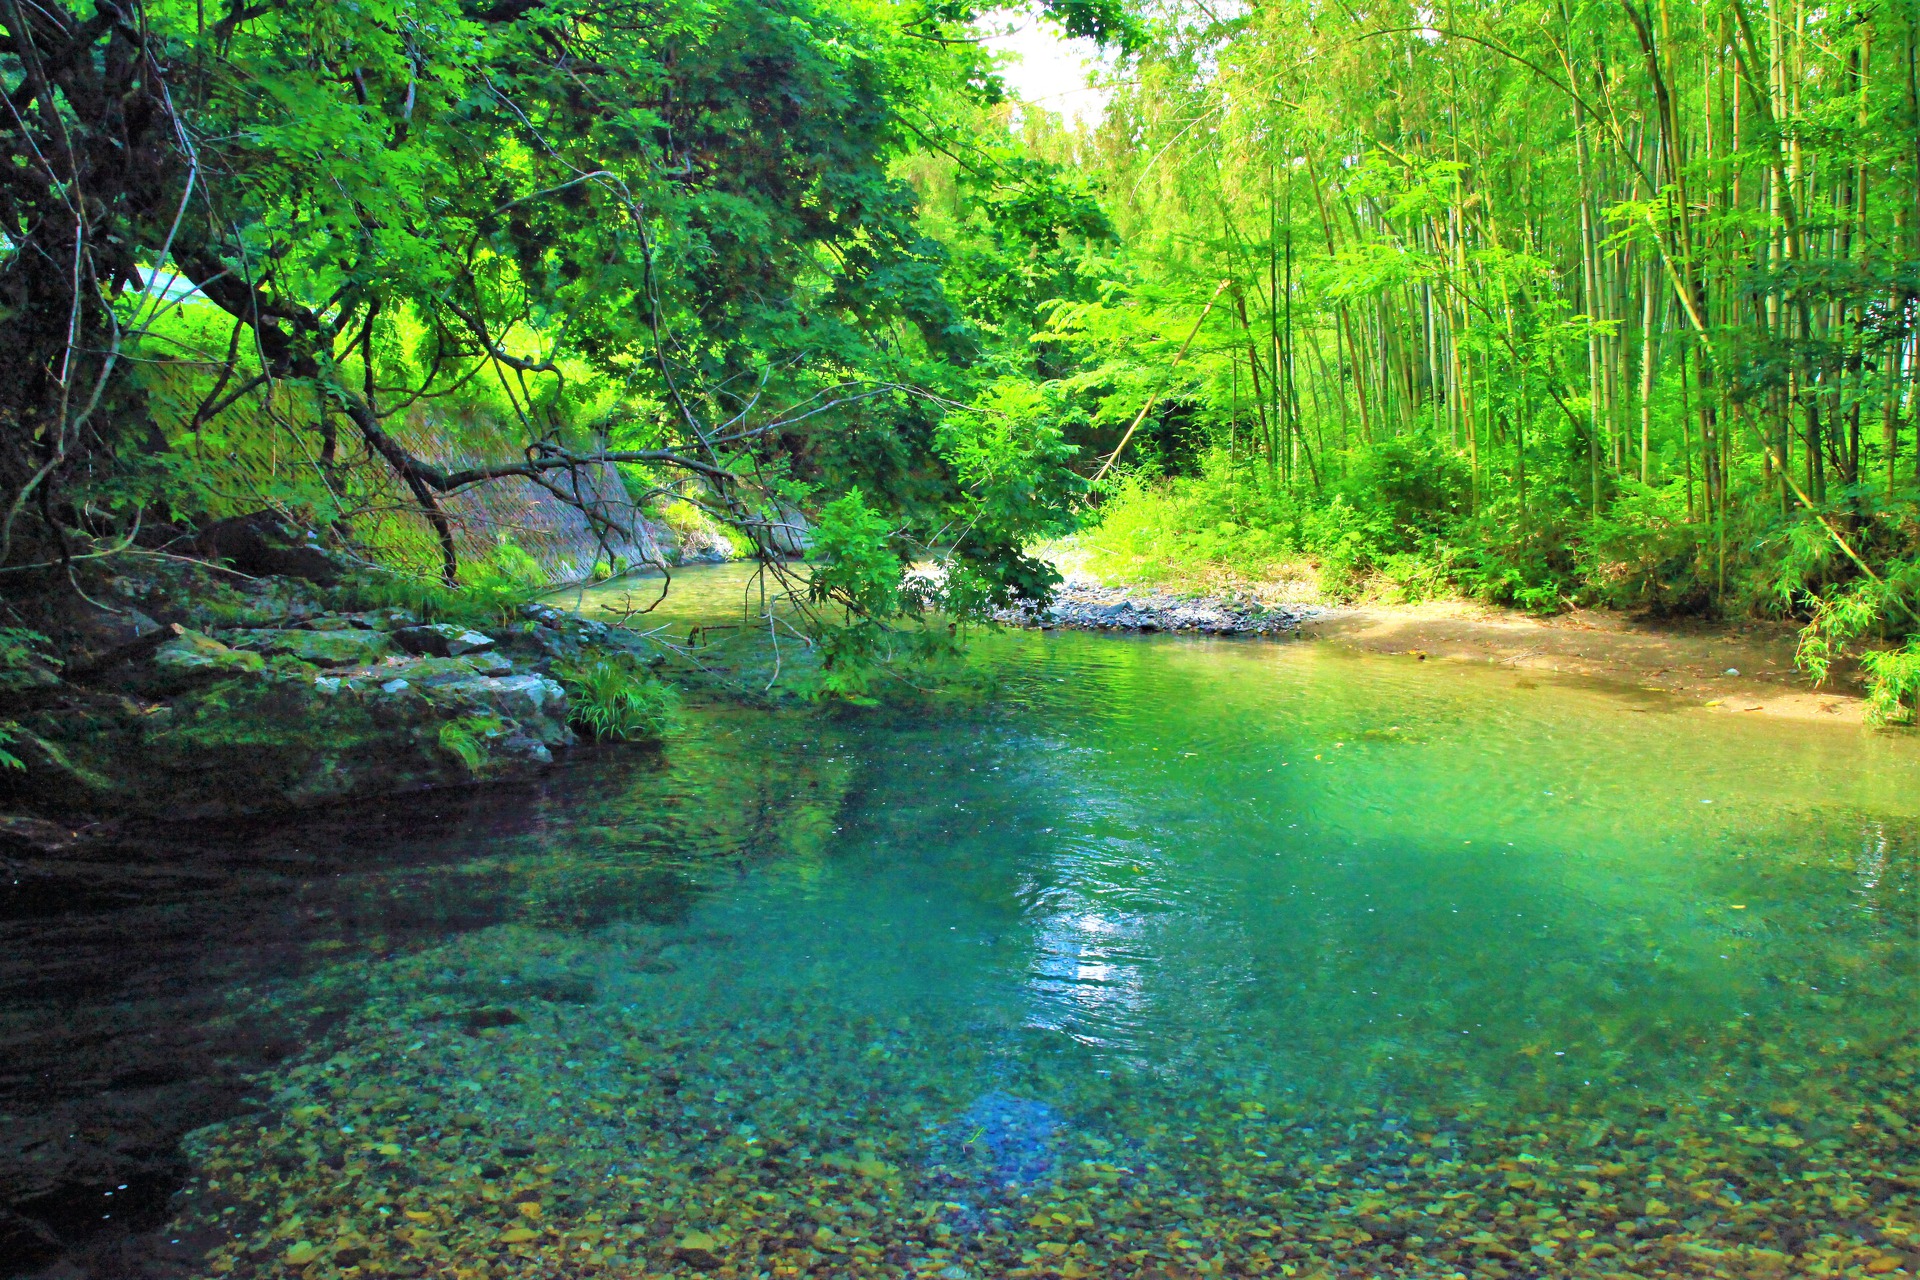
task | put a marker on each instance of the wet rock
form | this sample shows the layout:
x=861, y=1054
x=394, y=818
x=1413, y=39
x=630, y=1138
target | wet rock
x=282, y=739
x=536, y=703
x=441, y=640
x=24, y=836
x=252, y=695
x=98, y=639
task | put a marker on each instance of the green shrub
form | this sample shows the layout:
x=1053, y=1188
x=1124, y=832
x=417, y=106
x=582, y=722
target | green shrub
x=1868, y=607
x=1166, y=531
x=1412, y=490
x=618, y=699
x=1644, y=554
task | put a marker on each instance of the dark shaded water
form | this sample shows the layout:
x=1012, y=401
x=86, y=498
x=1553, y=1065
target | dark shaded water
x=1179, y=957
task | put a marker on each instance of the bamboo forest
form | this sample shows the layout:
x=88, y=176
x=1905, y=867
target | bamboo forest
x=895, y=640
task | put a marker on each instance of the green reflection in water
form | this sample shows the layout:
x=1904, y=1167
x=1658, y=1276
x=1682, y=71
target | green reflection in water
x=1231, y=953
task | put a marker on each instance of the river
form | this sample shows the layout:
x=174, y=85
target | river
x=1172, y=957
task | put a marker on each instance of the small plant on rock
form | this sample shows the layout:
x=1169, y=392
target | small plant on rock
x=465, y=738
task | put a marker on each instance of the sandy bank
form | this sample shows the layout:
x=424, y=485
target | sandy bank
x=1689, y=659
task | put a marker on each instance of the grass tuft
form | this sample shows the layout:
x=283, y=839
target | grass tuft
x=617, y=699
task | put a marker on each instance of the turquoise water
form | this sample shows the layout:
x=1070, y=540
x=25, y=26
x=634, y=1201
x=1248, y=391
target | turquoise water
x=1175, y=957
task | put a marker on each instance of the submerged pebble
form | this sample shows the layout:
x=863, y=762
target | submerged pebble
x=617, y=1139
x=669, y=1062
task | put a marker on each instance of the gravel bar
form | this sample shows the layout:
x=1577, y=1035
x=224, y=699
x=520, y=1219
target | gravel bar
x=1085, y=607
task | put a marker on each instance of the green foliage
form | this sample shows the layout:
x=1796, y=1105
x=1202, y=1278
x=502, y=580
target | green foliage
x=498, y=585
x=1012, y=462
x=1448, y=352
x=25, y=663
x=1104, y=20
x=1893, y=683
x=618, y=699
x=1153, y=532
x=1643, y=553
x=694, y=525
x=587, y=227
x=807, y=256
x=465, y=738
x=1842, y=617
x=854, y=566
x=26, y=659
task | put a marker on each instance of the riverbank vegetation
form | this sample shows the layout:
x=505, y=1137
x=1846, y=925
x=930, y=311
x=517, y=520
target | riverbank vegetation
x=358, y=266
x=1541, y=303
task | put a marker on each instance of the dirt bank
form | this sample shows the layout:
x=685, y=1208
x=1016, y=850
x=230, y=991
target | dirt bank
x=1692, y=660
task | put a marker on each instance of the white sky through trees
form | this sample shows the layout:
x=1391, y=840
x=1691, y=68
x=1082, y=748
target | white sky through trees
x=1047, y=69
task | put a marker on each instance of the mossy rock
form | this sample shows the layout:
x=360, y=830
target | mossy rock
x=277, y=741
x=193, y=657
x=344, y=648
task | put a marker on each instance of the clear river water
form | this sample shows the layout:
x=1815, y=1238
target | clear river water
x=1172, y=957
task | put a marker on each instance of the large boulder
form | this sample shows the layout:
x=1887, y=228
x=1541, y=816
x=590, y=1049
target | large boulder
x=94, y=636
x=487, y=722
x=441, y=640
x=285, y=739
x=262, y=545
x=433, y=672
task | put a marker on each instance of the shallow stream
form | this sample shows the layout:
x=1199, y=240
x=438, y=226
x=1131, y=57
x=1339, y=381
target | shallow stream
x=1175, y=957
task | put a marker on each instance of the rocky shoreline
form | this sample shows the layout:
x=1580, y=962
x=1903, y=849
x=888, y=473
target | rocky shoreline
x=1086, y=606
x=179, y=699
